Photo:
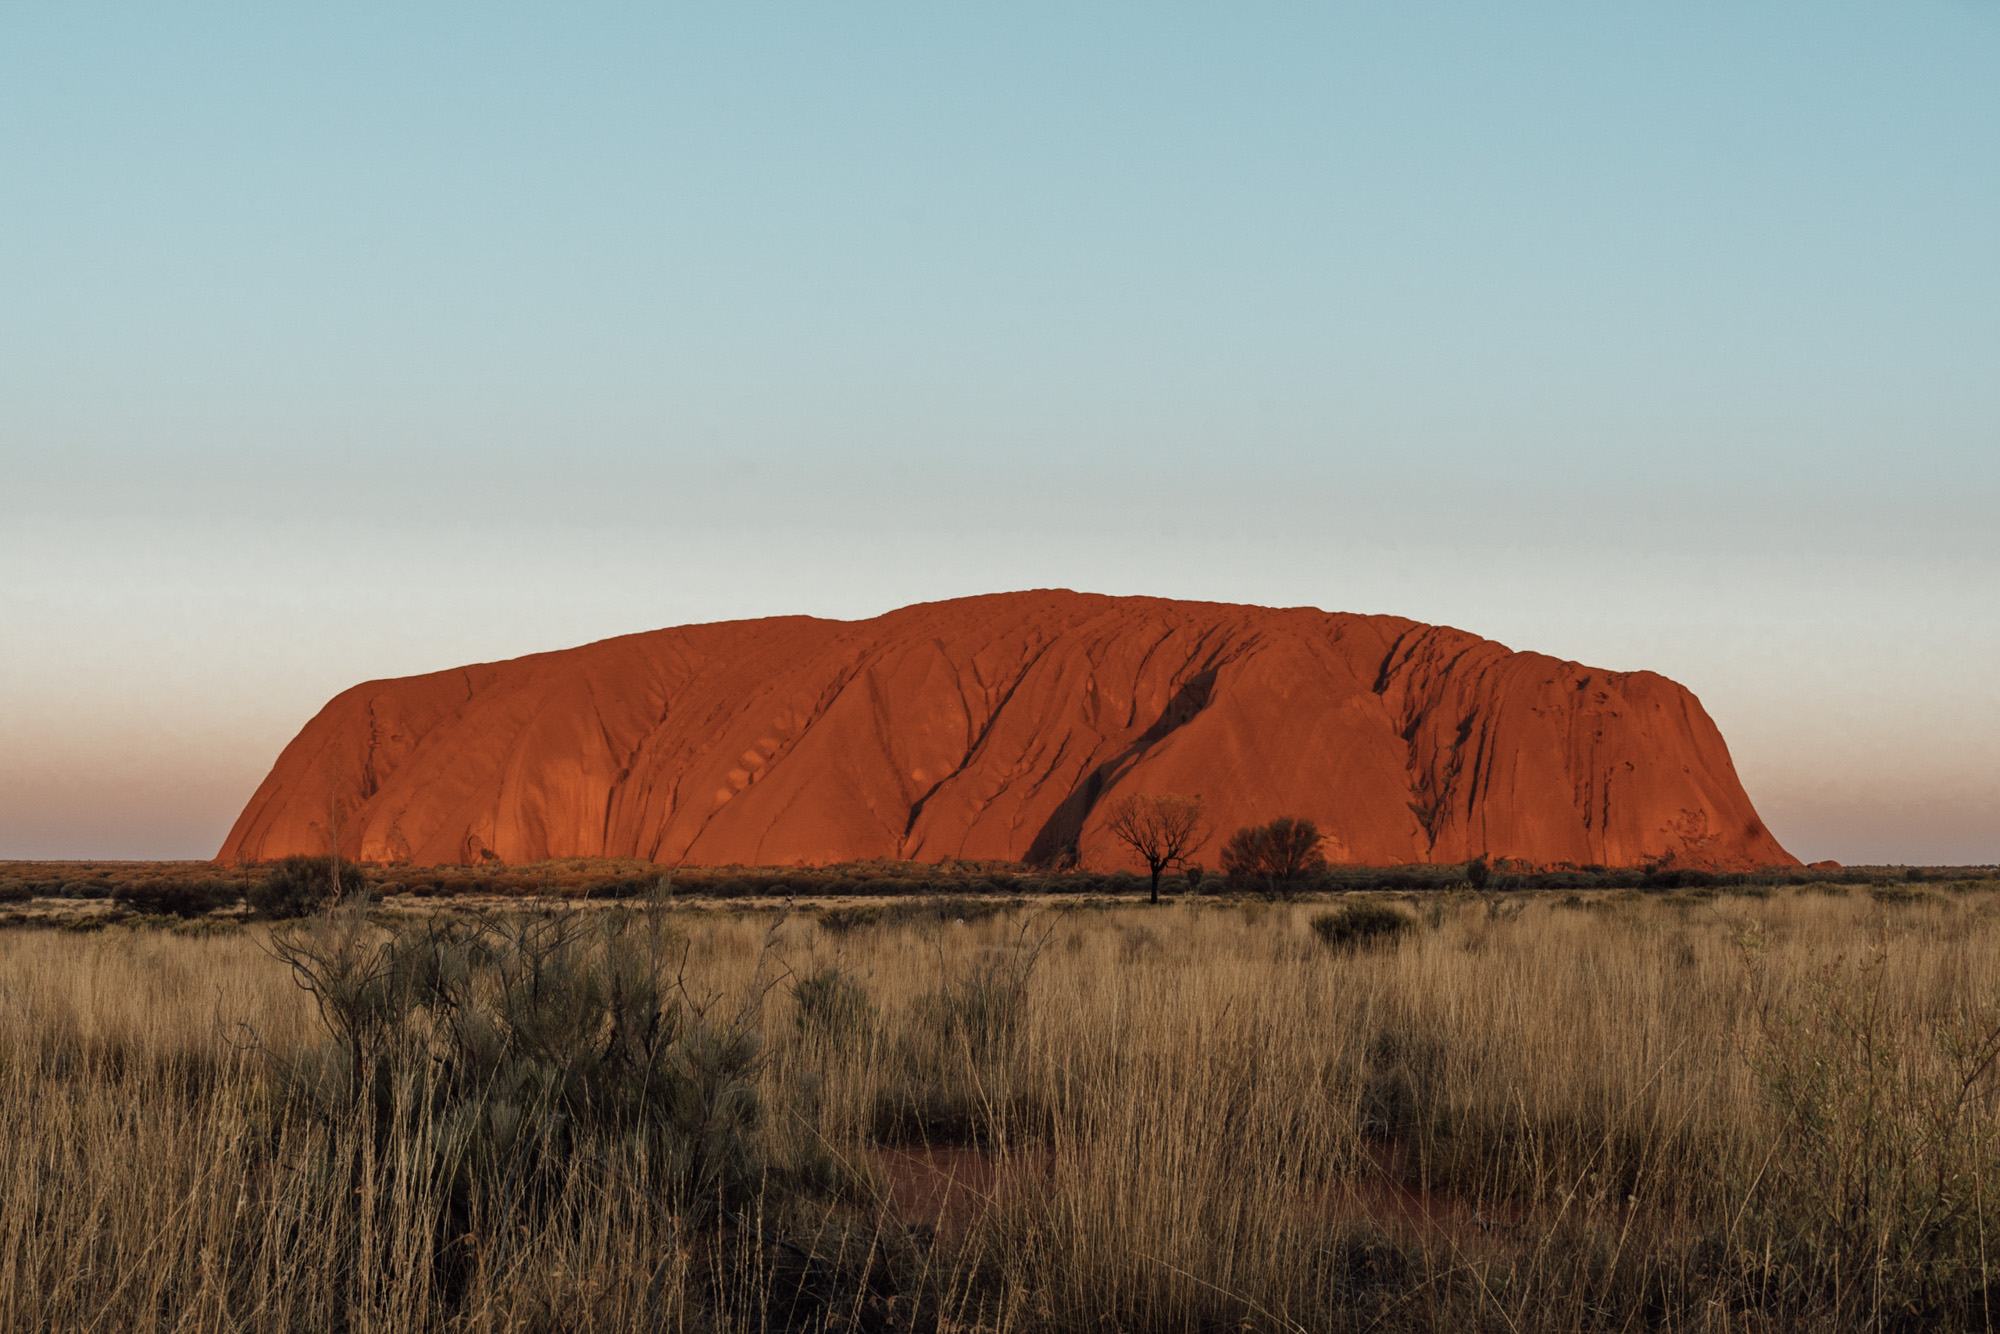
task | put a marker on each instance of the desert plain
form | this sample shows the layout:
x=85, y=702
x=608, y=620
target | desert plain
x=583, y=1097
x=1041, y=962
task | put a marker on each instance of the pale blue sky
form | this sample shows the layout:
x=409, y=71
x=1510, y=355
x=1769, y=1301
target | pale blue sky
x=358, y=343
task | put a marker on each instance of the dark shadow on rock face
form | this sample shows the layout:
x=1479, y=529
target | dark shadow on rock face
x=1055, y=843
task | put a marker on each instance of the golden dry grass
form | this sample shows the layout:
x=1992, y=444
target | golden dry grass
x=1525, y=1114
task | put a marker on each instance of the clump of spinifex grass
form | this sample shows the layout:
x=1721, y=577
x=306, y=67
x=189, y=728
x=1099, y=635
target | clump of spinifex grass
x=1725, y=1113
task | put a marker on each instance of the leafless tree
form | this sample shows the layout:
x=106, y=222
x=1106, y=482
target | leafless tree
x=1163, y=829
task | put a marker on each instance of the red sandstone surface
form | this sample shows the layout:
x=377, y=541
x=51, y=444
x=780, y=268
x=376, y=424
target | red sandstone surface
x=1005, y=727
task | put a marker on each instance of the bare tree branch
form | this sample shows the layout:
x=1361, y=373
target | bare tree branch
x=1163, y=829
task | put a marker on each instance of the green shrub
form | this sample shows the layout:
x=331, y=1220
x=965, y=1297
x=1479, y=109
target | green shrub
x=1276, y=856
x=302, y=886
x=958, y=1083
x=176, y=898
x=525, y=1048
x=839, y=919
x=980, y=1010
x=1403, y=1089
x=833, y=1007
x=1361, y=926
x=979, y=1007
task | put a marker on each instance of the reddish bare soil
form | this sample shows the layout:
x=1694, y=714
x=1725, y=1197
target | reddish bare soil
x=1003, y=727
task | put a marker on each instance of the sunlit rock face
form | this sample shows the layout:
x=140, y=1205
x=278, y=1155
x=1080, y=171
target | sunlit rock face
x=1006, y=727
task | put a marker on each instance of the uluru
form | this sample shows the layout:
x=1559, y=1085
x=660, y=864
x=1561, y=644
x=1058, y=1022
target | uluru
x=1004, y=727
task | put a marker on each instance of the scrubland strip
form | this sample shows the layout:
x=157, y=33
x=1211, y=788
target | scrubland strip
x=1608, y=1112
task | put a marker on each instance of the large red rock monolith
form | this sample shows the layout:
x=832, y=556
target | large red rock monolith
x=1004, y=727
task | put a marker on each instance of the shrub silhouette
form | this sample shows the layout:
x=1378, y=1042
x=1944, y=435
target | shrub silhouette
x=1361, y=926
x=302, y=886
x=1276, y=856
x=958, y=1056
x=176, y=898
x=981, y=1009
x=521, y=1049
x=833, y=1007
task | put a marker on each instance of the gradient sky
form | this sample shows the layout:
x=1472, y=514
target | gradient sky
x=350, y=342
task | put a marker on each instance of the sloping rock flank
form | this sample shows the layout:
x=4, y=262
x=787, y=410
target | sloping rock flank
x=1004, y=727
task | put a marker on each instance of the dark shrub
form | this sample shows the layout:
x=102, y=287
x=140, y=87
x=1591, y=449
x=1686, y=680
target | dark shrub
x=176, y=898
x=1669, y=878
x=302, y=886
x=980, y=1011
x=1275, y=856
x=841, y=919
x=542, y=1043
x=833, y=1007
x=1477, y=872
x=1361, y=926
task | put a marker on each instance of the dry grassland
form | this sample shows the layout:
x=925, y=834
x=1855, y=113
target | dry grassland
x=1730, y=1113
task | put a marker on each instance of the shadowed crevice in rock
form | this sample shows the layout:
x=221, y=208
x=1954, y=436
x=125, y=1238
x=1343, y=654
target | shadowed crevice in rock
x=979, y=741
x=1057, y=840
